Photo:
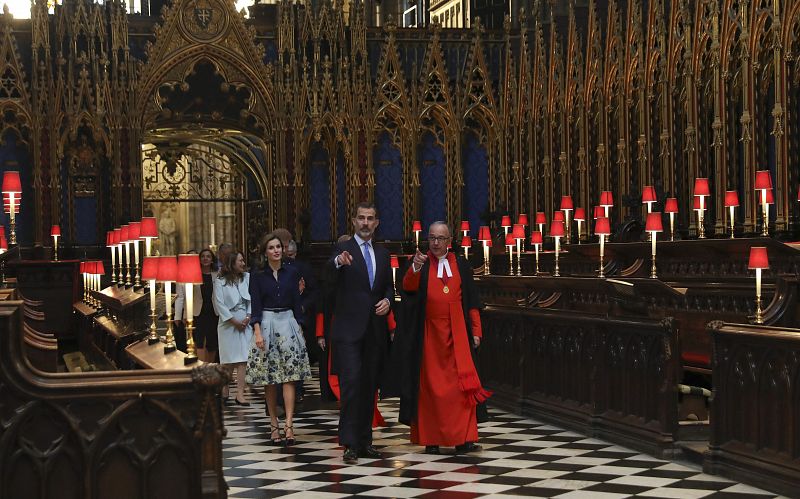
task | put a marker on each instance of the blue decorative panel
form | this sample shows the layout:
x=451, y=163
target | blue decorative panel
x=388, y=188
x=14, y=156
x=319, y=189
x=341, y=201
x=86, y=224
x=476, y=182
x=433, y=178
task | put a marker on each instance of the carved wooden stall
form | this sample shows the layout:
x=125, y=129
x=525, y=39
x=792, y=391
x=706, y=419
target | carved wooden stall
x=152, y=433
x=755, y=414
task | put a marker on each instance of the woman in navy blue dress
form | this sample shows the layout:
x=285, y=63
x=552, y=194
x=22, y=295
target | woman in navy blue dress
x=279, y=355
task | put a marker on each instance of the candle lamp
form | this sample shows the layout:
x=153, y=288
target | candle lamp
x=764, y=183
x=124, y=239
x=82, y=270
x=606, y=201
x=649, y=197
x=485, y=236
x=698, y=207
x=110, y=245
x=557, y=232
x=87, y=283
x=189, y=273
x=541, y=220
x=602, y=228
x=758, y=262
x=519, y=237
x=12, y=191
x=55, y=233
x=148, y=230
x=466, y=243
x=149, y=275
x=510, y=242
x=167, y=273
x=99, y=271
x=465, y=227
x=653, y=226
x=118, y=244
x=671, y=207
x=522, y=219
x=731, y=202
x=416, y=227
x=536, y=241
x=566, y=206
x=134, y=233
x=395, y=264
x=505, y=223
x=701, y=190
x=580, y=217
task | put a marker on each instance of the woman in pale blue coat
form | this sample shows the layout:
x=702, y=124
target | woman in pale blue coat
x=232, y=303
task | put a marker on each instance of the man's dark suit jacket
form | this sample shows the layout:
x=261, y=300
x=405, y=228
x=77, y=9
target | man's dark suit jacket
x=355, y=301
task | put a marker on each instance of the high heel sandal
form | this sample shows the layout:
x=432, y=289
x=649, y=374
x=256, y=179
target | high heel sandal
x=272, y=431
x=289, y=441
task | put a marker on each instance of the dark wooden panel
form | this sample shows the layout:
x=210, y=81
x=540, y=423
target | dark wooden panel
x=55, y=284
x=755, y=414
x=613, y=378
x=150, y=433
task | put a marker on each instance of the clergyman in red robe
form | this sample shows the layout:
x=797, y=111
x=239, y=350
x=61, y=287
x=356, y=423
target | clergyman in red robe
x=442, y=388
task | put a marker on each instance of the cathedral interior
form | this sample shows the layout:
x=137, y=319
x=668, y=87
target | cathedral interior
x=629, y=160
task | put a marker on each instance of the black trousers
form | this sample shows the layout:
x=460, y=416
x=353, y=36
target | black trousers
x=358, y=365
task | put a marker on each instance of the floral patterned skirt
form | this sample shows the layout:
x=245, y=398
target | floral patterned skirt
x=284, y=358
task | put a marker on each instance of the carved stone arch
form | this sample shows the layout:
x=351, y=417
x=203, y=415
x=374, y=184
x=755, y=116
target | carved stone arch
x=391, y=119
x=438, y=121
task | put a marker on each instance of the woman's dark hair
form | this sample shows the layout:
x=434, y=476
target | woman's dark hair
x=227, y=272
x=261, y=264
x=213, y=257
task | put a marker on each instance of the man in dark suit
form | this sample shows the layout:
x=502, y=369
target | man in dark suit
x=359, y=332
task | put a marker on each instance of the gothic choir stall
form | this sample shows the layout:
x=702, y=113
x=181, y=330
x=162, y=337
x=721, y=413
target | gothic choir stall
x=400, y=248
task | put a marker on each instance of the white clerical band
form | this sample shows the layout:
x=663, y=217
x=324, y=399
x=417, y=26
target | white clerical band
x=444, y=267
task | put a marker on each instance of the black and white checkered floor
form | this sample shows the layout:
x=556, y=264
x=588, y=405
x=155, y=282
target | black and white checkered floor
x=520, y=457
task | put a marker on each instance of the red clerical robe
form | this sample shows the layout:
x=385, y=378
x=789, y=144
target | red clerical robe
x=445, y=413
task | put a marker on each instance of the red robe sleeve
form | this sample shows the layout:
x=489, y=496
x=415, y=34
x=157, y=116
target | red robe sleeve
x=411, y=279
x=475, y=318
x=320, y=326
x=390, y=322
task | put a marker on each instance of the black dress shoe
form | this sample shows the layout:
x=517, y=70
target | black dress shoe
x=432, y=449
x=370, y=452
x=350, y=456
x=467, y=447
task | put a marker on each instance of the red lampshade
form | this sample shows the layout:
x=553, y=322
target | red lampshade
x=798, y=193
x=150, y=268
x=394, y=262
x=566, y=203
x=541, y=218
x=763, y=180
x=11, y=182
x=88, y=267
x=599, y=212
x=519, y=231
x=606, y=198
x=416, y=226
x=2, y=230
x=82, y=268
x=671, y=206
x=99, y=269
x=731, y=198
x=557, y=228
x=134, y=231
x=558, y=216
x=696, y=204
x=55, y=231
x=118, y=236
x=488, y=243
x=148, y=227
x=466, y=242
x=189, y=271
x=536, y=237
x=580, y=214
x=465, y=225
x=3, y=242
x=484, y=234
x=770, y=197
x=510, y=241
x=649, y=194
x=506, y=221
x=701, y=187
x=602, y=226
x=110, y=239
x=654, y=222
x=522, y=219
x=758, y=258
x=124, y=234
x=167, y=269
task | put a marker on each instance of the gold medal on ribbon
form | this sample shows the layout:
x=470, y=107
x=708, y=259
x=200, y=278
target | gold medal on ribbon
x=446, y=289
